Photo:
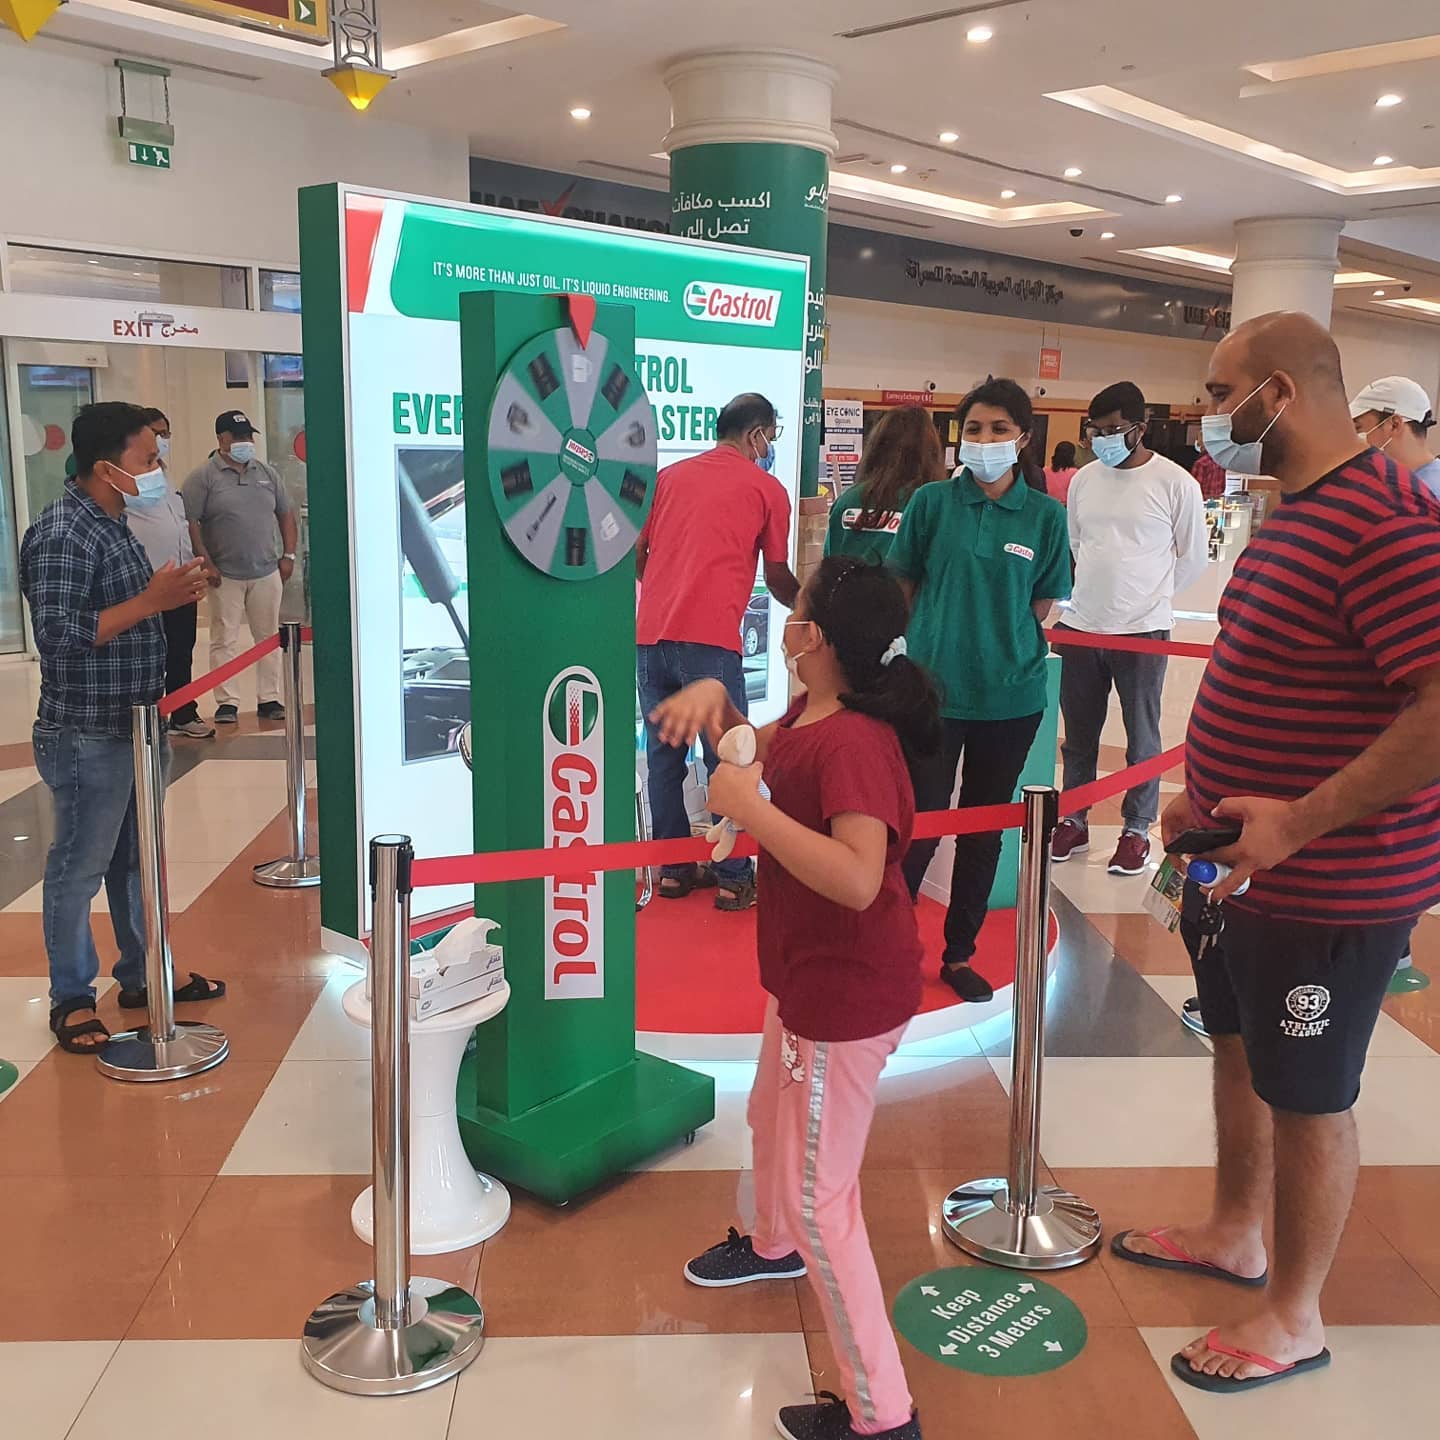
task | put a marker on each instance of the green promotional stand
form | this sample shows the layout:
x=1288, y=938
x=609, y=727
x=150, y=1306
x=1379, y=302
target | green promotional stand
x=560, y=464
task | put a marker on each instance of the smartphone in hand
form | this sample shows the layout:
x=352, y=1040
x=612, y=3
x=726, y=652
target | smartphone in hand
x=1201, y=841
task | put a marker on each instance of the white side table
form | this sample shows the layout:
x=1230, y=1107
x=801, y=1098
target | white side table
x=451, y=1206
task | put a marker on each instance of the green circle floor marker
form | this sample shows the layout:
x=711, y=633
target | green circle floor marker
x=1403, y=982
x=990, y=1322
x=8, y=1075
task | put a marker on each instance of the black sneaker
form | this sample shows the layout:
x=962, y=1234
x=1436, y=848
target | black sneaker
x=270, y=710
x=734, y=1262
x=967, y=983
x=227, y=714
x=830, y=1420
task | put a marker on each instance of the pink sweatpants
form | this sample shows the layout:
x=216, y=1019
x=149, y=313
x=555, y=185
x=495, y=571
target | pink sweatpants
x=810, y=1114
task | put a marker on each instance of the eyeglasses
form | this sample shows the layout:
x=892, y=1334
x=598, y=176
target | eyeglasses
x=1090, y=432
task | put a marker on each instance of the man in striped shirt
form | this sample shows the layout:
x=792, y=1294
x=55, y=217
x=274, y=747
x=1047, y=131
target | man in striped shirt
x=1317, y=727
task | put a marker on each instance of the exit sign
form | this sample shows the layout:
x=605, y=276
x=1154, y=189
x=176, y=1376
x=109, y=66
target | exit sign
x=157, y=157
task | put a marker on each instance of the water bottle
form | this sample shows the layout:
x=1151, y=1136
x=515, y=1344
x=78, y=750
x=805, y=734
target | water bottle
x=1208, y=873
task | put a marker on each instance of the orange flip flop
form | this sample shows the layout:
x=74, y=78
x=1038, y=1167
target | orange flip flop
x=1228, y=1384
x=1179, y=1259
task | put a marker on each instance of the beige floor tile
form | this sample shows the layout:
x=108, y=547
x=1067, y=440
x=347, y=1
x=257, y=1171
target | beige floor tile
x=45, y=1384
x=313, y=1119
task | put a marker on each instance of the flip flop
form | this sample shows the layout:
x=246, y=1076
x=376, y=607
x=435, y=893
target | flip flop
x=1179, y=1259
x=1228, y=1384
x=196, y=988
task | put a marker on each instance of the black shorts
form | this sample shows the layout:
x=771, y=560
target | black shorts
x=1304, y=998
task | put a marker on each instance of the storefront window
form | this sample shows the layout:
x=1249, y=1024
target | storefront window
x=48, y=270
x=284, y=379
x=280, y=290
x=49, y=397
x=11, y=631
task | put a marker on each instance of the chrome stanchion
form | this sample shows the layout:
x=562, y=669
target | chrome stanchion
x=392, y=1335
x=1015, y=1220
x=297, y=869
x=163, y=1050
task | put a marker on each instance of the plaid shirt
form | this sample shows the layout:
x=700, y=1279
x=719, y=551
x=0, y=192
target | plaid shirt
x=76, y=561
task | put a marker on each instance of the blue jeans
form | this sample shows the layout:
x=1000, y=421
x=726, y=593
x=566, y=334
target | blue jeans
x=92, y=782
x=660, y=672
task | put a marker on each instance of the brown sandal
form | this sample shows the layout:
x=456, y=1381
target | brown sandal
x=735, y=897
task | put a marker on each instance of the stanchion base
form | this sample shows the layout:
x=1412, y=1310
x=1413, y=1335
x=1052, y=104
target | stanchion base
x=1060, y=1231
x=343, y=1348
x=286, y=874
x=133, y=1055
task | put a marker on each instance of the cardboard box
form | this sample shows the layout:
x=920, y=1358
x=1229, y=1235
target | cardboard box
x=438, y=1002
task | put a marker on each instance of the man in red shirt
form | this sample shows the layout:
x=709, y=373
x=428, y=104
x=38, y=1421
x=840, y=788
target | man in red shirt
x=1316, y=727
x=714, y=516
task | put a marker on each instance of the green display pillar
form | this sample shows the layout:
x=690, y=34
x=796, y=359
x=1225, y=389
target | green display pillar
x=1039, y=770
x=559, y=476
x=750, y=146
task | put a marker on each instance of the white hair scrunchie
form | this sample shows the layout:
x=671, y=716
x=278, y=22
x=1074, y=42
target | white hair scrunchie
x=897, y=649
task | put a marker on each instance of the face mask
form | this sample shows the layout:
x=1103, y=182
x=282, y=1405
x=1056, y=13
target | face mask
x=243, y=451
x=1224, y=449
x=1111, y=450
x=163, y=441
x=767, y=461
x=1365, y=436
x=151, y=486
x=990, y=462
x=792, y=662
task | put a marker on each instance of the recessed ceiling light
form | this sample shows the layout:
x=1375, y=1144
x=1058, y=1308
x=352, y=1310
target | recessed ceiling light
x=898, y=169
x=1379, y=293
x=1386, y=101
x=1384, y=159
x=580, y=112
x=1073, y=172
x=948, y=137
x=1107, y=234
x=21, y=837
x=1173, y=199
x=868, y=253
x=979, y=34
x=1007, y=194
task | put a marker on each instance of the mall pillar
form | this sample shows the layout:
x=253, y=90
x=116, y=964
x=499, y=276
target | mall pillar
x=750, y=146
x=1284, y=264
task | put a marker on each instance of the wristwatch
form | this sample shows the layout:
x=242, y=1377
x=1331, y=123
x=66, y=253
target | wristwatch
x=289, y=555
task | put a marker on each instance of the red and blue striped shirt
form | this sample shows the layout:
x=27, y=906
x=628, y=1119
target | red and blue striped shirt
x=1332, y=605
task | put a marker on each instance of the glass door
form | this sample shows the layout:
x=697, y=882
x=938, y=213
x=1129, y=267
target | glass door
x=12, y=633
x=49, y=397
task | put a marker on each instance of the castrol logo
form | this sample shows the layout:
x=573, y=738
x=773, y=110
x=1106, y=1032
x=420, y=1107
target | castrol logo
x=574, y=731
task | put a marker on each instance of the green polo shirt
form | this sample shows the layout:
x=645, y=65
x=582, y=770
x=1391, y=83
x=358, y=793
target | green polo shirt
x=844, y=537
x=977, y=565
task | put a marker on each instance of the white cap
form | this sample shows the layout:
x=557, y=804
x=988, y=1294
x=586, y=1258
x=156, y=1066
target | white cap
x=1394, y=395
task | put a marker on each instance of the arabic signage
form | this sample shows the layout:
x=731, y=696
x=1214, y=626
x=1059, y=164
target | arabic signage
x=990, y=1322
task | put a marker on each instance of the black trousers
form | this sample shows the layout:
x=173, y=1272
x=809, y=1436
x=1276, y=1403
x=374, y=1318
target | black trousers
x=994, y=754
x=179, y=658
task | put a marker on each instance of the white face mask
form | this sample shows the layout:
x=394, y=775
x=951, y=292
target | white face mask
x=792, y=662
x=1365, y=435
x=163, y=443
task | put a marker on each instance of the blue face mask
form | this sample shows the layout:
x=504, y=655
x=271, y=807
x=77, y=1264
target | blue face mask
x=151, y=486
x=1111, y=450
x=1217, y=434
x=990, y=462
x=243, y=451
x=767, y=461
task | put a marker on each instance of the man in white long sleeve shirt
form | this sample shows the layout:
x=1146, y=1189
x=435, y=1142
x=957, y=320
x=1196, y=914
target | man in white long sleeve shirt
x=1138, y=536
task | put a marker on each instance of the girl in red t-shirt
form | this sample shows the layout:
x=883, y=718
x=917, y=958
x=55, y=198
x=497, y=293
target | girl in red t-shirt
x=840, y=955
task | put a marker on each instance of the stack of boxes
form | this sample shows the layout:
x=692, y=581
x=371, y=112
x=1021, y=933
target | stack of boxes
x=461, y=966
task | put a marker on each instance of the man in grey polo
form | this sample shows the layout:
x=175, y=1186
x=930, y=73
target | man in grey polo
x=242, y=522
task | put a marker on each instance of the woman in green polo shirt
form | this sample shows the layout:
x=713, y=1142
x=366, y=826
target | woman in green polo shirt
x=987, y=555
x=902, y=454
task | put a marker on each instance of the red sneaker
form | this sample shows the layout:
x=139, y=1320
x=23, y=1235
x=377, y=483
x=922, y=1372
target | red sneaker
x=1131, y=854
x=1071, y=837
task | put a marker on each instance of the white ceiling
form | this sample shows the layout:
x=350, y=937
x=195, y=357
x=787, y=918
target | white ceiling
x=898, y=90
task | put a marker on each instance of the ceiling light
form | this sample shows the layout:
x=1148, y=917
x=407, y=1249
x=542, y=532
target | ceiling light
x=898, y=169
x=1107, y=234
x=948, y=137
x=1384, y=159
x=580, y=112
x=979, y=34
x=1364, y=277
x=1428, y=307
x=1173, y=199
x=868, y=253
x=1007, y=194
x=1073, y=172
x=1379, y=293
x=1385, y=102
x=1184, y=255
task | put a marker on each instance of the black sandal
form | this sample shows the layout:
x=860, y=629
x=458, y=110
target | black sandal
x=735, y=895
x=197, y=988
x=68, y=1036
x=701, y=877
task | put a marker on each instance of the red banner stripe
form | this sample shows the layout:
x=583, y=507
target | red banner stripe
x=1083, y=640
x=206, y=683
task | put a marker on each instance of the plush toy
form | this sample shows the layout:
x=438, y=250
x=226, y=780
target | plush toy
x=736, y=747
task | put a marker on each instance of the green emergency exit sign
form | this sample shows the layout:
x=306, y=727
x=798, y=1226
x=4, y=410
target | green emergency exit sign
x=157, y=157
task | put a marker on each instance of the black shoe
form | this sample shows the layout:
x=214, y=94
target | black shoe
x=734, y=1262
x=967, y=983
x=227, y=714
x=271, y=710
x=830, y=1420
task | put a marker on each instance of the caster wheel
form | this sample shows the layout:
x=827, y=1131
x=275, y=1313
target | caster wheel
x=690, y=1138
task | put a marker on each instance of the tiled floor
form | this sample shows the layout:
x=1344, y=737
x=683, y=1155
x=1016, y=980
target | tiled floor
x=165, y=1244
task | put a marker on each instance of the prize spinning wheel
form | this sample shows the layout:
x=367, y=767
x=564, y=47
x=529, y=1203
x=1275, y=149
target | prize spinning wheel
x=572, y=454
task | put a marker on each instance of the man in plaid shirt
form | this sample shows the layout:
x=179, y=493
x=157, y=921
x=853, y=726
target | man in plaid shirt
x=95, y=608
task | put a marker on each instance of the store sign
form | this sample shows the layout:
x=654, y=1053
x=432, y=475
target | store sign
x=153, y=327
x=305, y=19
x=156, y=157
x=907, y=397
x=574, y=769
x=1049, y=363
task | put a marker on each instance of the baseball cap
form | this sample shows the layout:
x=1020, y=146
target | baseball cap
x=234, y=422
x=1394, y=395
